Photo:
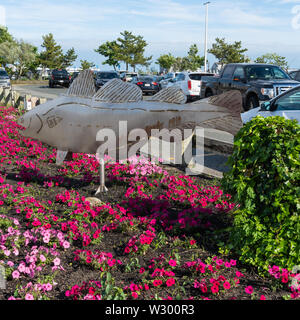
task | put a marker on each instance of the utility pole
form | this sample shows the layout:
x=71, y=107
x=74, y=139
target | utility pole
x=206, y=35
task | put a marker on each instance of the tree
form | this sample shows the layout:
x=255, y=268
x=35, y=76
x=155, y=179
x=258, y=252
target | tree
x=128, y=48
x=132, y=49
x=166, y=61
x=110, y=50
x=33, y=64
x=86, y=64
x=52, y=56
x=194, y=60
x=69, y=58
x=273, y=58
x=228, y=53
x=19, y=53
x=5, y=36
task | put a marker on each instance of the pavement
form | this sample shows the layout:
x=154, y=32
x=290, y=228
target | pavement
x=40, y=91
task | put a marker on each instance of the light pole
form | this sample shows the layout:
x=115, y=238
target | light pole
x=206, y=32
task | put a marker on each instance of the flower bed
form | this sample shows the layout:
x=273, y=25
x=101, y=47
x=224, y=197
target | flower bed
x=157, y=234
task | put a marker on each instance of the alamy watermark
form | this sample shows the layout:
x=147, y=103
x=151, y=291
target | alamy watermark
x=179, y=147
x=296, y=18
x=2, y=16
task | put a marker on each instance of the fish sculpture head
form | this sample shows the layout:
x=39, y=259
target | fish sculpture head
x=33, y=121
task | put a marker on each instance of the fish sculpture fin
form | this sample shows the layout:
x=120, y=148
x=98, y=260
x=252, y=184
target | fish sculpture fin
x=83, y=85
x=231, y=100
x=232, y=122
x=171, y=94
x=60, y=157
x=118, y=91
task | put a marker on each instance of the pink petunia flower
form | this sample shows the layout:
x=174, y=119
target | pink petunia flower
x=249, y=290
x=172, y=263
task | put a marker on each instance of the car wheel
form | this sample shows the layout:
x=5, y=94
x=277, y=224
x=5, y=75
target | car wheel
x=208, y=94
x=251, y=103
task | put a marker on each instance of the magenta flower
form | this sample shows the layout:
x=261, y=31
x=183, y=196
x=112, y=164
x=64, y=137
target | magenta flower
x=172, y=263
x=226, y=285
x=249, y=290
x=29, y=297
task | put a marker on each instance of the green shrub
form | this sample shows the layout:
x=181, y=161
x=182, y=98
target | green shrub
x=264, y=181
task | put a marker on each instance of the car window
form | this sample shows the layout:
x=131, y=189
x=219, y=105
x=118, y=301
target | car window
x=180, y=77
x=59, y=72
x=239, y=73
x=290, y=101
x=107, y=75
x=146, y=79
x=265, y=73
x=293, y=74
x=227, y=74
x=3, y=73
x=279, y=74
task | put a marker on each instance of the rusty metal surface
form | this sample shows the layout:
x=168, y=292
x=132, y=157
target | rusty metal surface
x=72, y=121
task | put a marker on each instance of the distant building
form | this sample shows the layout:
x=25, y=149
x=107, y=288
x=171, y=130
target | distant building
x=216, y=68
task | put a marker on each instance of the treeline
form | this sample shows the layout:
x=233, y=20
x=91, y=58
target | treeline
x=127, y=48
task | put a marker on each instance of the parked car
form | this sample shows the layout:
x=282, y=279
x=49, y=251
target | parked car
x=295, y=75
x=286, y=105
x=103, y=77
x=4, y=79
x=128, y=76
x=256, y=82
x=190, y=83
x=74, y=76
x=148, y=84
x=167, y=78
x=59, y=77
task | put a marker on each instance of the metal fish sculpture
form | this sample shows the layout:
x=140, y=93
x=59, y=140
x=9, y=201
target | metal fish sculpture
x=71, y=122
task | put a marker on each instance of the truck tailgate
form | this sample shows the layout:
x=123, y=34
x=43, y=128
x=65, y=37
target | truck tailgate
x=195, y=87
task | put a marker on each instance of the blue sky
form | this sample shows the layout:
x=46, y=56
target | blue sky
x=167, y=25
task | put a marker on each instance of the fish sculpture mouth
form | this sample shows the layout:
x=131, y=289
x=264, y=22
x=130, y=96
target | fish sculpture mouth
x=24, y=123
x=31, y=124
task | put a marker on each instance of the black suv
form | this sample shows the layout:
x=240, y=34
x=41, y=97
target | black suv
x=104, y=76
x=256, y=82
x=59, y=77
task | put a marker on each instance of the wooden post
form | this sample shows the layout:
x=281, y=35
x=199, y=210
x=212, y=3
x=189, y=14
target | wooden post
x=27, y=102
x=1, y=95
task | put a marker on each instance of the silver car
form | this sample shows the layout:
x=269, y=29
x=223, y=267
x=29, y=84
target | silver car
x=4, y=79
x=286, y=105
x=167, y=79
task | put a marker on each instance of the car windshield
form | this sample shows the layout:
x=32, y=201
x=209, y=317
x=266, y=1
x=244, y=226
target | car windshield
x=3, y=73
x=145, y=79
x=107, y=75
x=265, y=73
x=58, y=72
x=290, y=101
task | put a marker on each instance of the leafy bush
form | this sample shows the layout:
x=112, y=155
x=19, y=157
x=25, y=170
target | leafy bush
x=264, y=179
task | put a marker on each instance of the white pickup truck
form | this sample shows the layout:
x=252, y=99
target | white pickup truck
x=190, y=83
